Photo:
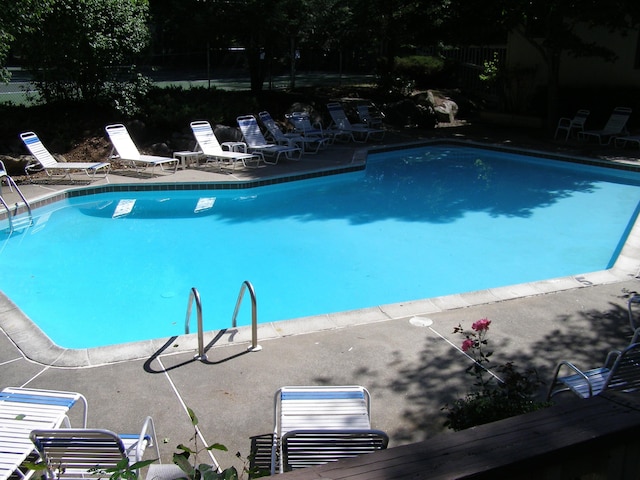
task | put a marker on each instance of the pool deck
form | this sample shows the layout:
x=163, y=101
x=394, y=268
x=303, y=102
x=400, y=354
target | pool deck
x=411, y=368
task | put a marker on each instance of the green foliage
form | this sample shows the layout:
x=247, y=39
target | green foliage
x=492, y=397
x=491, y=70
x=123, y=471
x=187, y=459
x=423, y=71
x=75, y=50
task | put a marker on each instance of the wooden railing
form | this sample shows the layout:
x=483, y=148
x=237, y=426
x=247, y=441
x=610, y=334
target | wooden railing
x=594, y=438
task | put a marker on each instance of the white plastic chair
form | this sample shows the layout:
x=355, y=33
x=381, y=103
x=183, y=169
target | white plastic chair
x=257, y=143
x=318, y=413
x=43, y=160
x=127, y=151
x=570, y=125
x=214, y=151
x=615, y=126
x=358, y=132
x=82, y=453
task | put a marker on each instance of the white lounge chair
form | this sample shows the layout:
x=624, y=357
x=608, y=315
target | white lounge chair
x=25, y=409
x=44, y=161
x=357, y=132
x=257, y=143
x=320, y=414
x=368, y=118
x=620, y=372
x=86, y=453
x=616, y=126
x=308, y=144
x=214, y=151
x=622, y=141
x=127, y=151
x=302, y=125
x=570, y=125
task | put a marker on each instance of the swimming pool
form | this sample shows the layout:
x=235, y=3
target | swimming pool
x=112, y=268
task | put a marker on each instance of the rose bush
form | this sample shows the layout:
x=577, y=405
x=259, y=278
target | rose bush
x=498, y=391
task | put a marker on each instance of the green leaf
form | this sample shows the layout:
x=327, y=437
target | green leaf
x=217, y=446
x=186, y=449
x=182, y=461
x=192, y=416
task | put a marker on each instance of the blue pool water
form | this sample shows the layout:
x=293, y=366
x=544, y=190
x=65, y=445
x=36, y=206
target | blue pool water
x=415, y=224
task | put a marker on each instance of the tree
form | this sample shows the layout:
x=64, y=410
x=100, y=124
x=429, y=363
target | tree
x=16, y=18
x=551, y=27
x=76, y=49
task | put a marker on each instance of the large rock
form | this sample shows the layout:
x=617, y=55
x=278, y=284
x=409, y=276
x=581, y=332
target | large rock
x=445, y=108
x=410, y=113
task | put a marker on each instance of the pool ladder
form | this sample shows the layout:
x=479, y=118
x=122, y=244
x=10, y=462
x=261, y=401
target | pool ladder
x=12, y=221
x=195, y=296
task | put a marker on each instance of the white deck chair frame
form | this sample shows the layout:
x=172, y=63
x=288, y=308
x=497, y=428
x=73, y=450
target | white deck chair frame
x=620, y=372
x=367, y=118
x=127, y=151
x=318, y=408
x=358, y=132
x=570, y=125
x=214, y=151
x=25, y=409
x=77, y=453
x=256, y=142
x=308, y=448
x=302, y=125
x=615, y=126
x=307, y=144
x=43, y=161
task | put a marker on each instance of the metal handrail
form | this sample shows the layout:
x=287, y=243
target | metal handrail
x=8, y=214
x=195, y=295
x=254, y=314
x=24, y=200
x=11, y=183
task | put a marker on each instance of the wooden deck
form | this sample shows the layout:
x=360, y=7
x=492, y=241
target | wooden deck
x=597, y=437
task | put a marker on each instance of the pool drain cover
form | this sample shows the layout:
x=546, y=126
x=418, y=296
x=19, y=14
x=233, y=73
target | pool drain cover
x=421, y=321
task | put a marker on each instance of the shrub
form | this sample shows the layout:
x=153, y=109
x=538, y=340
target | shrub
x=424, y=71
x=492, y=397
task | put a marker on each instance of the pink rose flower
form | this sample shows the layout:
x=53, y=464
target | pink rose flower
x=467, y=344
x=482, y=324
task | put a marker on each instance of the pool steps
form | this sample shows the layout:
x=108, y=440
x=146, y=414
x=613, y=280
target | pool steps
x=195, y=296
x=15, y=223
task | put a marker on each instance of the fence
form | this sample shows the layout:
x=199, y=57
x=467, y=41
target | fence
x=469, y=64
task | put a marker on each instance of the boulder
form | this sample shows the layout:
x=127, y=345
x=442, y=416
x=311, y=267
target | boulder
x=445, y=108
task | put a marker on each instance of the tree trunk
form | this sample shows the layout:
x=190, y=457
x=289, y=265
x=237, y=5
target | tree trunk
x=255, y=72
x=553, y=88
x=292, y=55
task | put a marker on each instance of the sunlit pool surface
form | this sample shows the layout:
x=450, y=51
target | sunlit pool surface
x=111, y=268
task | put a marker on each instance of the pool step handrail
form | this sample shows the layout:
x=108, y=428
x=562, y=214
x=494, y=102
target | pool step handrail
x=12, y=185
x=246, y=285
x=194, y=295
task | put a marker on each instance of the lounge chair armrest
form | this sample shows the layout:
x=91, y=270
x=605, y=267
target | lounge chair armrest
x=612, y=356
x=33, y=165
x=576, y=371
x=148, y=433
x=570, y=366
x=234, y=146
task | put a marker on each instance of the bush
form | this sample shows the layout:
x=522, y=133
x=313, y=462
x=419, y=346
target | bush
x=423, y=71
x=491, y=398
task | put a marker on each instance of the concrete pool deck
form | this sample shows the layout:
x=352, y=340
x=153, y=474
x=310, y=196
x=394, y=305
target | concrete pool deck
x=411, y=370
